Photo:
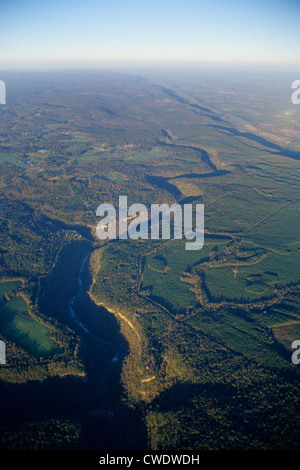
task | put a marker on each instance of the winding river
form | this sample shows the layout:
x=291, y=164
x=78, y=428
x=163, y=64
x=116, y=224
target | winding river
x=118, y=353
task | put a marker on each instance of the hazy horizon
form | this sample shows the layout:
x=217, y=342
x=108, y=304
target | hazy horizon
x=96, y=34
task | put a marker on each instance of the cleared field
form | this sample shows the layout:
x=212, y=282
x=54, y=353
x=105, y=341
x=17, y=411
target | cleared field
x=163, y=272
x=281, y=232
x=242, y=282
x=9, y=158
x=287, y=333
x=152, y=154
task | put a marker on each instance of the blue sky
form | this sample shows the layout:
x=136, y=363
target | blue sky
x=93, y=33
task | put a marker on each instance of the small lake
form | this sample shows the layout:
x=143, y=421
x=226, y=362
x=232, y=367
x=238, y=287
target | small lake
x=18, y=326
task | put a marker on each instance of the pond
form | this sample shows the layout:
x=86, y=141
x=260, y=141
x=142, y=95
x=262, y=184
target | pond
x=18, y=326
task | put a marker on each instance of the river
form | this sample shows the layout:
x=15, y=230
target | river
x=96, y=401
x=117, y=353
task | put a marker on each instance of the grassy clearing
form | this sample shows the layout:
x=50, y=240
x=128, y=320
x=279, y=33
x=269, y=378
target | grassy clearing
x=12, y=158
x=245, y=283
x=152, y=154
x=163, y=272
x=285, y=334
